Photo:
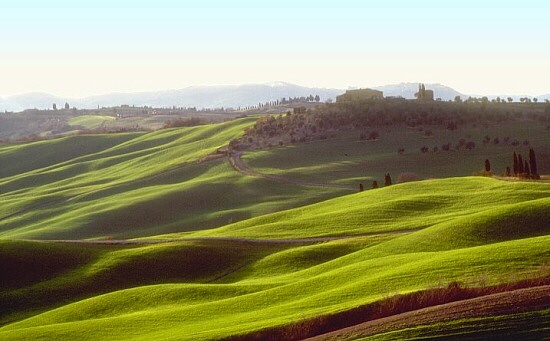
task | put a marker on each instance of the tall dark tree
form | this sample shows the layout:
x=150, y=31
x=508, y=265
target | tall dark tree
x=533, y=162
x=508, y=171
x=516, y=167
x=374, y=184
x=520, y=164
x=387, y=181
x=361, y=188
x=526, y=169
x=487, y=165
x=66, y=106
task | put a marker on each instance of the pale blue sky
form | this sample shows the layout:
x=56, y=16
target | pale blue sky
x=78, y=48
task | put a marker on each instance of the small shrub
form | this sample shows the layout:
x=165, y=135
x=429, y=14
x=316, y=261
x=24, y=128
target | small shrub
x=373, y=135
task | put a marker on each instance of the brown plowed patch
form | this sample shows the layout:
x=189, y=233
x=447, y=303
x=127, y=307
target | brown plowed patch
x=505, y=303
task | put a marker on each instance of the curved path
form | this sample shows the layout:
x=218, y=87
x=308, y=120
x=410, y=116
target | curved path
x=235, y=159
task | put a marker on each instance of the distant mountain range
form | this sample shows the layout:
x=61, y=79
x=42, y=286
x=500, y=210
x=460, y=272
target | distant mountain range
x=195, y=96
x=407, y=90
x=218, y=96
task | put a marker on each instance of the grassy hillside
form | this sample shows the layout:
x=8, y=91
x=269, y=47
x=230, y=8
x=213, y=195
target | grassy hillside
x=346, y=159
x=407, y=237
x=473, y=203
x=217, y=253
x=132, y=185
x=523, y=326
x=90, y=121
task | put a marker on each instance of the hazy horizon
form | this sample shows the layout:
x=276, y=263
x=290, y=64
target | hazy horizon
x=92, y=48
x=466, y=93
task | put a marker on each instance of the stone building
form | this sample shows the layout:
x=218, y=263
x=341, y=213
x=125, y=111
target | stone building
x=360, y=95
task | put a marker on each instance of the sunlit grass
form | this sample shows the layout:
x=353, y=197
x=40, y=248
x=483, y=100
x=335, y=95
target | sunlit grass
x=267, y=285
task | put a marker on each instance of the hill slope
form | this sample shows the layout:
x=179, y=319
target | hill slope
x=132, y=185
x=284, y=283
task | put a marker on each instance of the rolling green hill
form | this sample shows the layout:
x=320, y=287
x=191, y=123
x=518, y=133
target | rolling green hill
x=156, y=236
x=474, y=230
x=346, y=159
x=90, y=121
x=132, y=185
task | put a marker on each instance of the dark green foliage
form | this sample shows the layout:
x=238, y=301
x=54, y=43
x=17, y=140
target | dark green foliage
x=470, y=145
x=508, y=171
x=373, y=114
x=526, y=169
x=487, y=165
x=520, y=164
x=516, y=166
x=387, y=181
x=374, y=184
x=361, y=188
x=533, y=162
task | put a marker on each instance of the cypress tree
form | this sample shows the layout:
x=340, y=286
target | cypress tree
x=520, y=164
x=533, y=162
x=361, y=188
x=487, y=165
x=508, y=171
x=374, y=184
x=387, y=180
x=526, y=169
x=516, y=168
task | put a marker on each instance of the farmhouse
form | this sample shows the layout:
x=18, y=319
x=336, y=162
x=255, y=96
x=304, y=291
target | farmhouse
x=360, y=95
x=429, y=95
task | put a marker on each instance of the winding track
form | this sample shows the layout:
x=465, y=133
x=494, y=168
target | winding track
x=235, y=159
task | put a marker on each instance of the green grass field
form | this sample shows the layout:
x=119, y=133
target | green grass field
x=503, y=235
x=90, y=121
x=349, y=160
x=116, y=185
x=220, y=254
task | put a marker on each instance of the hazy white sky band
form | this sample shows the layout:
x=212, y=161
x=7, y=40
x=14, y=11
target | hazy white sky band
x=79, y=48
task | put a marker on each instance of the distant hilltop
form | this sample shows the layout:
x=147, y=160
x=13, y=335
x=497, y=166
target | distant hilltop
x=228, y=96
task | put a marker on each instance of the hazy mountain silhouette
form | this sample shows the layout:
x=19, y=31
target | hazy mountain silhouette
x=194, y=96
x=220, y=96
x=407, y=90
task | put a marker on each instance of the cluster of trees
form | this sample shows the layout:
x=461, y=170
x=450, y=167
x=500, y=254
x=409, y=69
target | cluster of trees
x=525, y=168
x=294, y=100
x=321, y=122
x=185, y=122
x=283, y=102
x=387, y=182
x=522, y=168
x=67, y=106
x=498, y=100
